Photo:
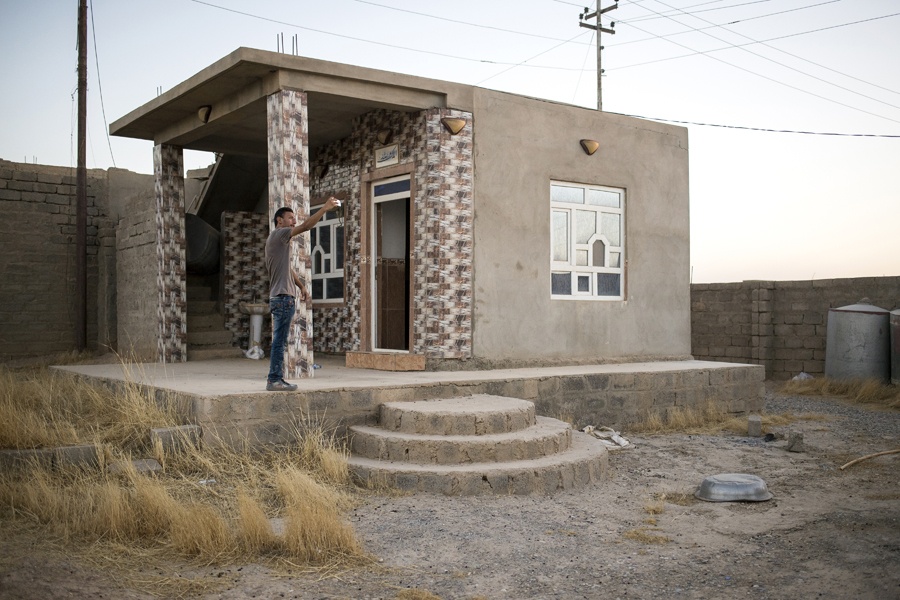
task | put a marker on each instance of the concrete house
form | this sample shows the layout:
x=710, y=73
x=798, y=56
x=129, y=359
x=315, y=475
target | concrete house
x=479, y=228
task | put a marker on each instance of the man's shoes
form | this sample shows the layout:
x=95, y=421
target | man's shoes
x=280, y=386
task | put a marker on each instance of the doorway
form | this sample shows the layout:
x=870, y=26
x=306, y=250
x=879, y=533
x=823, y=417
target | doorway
x=390, y=265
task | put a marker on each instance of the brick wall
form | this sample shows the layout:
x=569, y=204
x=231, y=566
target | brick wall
x=778, y=324
x=38, y=246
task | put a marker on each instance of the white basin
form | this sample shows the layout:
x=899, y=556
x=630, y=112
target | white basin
x=254, y=308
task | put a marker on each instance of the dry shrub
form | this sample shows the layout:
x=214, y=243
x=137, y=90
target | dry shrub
x=705, y=418
x=254, y=529
x=655, y=507
x=320, y=452
x=864, y=391
x=677, y=498
x=314, y=531
x=199, y=530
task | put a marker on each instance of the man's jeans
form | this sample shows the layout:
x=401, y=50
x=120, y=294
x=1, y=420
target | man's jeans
x=282, y=309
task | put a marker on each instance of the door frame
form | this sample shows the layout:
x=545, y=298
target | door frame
x=367, y=303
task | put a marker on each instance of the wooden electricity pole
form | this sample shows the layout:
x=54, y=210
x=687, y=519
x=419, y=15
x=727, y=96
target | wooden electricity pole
x=598, y=28
x=81, y=187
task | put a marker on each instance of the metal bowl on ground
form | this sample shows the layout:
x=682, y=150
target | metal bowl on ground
x=733, y=487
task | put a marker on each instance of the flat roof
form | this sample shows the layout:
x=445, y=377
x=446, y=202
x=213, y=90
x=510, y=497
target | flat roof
x=236, y=87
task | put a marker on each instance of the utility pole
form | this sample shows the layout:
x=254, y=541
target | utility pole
x=81, y=187
x=598, y=28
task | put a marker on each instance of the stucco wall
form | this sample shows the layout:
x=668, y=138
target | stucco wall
x=522, y=145
x=778, y=324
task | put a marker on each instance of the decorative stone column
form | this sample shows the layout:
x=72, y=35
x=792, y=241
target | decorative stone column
x=171, y=276
x=288, y=149
x=444, y=239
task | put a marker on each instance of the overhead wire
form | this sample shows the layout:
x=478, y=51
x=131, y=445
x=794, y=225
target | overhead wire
x=766, y=77
x=770, y=59
x=100, y=86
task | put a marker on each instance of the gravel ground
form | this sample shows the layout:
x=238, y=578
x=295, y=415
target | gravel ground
x=827, y=533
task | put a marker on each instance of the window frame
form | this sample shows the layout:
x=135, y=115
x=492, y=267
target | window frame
x=579, y=274
x=333, y=224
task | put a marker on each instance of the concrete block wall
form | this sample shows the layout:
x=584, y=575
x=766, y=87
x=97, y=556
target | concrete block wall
x=38, y=245
x=780, y=325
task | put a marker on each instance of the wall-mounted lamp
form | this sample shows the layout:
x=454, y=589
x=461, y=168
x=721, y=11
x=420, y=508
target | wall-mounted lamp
x=321, y=171
x=453, y=125
x=590, y=146
x=384, y=136
x=203, y=112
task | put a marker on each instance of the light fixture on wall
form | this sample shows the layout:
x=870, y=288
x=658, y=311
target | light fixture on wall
x=453, y=125
x=384, y=136
x=590, y=146
x=321, y=171
x=203, y=112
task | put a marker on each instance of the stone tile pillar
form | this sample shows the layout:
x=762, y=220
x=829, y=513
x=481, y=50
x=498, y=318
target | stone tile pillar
x=171, y=276
x=288, y=149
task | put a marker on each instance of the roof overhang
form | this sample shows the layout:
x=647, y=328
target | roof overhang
x=236, y=87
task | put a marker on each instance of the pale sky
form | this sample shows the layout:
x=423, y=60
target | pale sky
x=764, y=205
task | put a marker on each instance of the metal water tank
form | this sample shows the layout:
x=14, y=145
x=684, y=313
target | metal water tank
x=895, y=346
x=857, y=342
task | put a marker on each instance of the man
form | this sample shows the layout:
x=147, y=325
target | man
x=285, y=286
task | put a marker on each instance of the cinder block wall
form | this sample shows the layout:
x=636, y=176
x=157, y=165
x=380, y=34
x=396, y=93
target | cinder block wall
x=38, y=246
x=778, y=324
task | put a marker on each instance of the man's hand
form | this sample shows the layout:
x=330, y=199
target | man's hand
x=301, y=286
x=332, y=203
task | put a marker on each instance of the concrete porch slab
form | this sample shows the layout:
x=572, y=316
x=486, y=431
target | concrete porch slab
x=227, y=397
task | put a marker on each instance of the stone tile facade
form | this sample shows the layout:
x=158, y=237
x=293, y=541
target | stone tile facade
x=171, y=283
x=244, y=272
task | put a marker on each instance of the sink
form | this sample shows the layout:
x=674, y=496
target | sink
x=254, y=308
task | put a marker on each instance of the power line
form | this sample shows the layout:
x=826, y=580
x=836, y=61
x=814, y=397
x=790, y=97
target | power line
x=772, y=60
x=100, y=87
x=871, y=135
x=772, y=79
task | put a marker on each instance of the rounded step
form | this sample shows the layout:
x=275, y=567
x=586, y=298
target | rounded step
x=582, y=464
x=546, y=436
x=479, y=414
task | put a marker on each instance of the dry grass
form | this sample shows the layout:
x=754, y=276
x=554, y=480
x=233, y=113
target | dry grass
x=415, y=594
x=706, y=419
x=646, y=535
x=214, y=506
x=864, y=391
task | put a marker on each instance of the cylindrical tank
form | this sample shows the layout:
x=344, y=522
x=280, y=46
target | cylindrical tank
x=202, y=241
x=857, y=344
x=895, y=346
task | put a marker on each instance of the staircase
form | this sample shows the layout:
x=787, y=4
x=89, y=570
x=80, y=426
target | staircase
x=207, y=337
x=473, y=445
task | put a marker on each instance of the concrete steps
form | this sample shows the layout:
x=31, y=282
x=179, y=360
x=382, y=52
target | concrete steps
x=474, y=445
x=207, y=338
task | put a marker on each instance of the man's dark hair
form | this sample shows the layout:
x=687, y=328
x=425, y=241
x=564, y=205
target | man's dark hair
x=280, y=213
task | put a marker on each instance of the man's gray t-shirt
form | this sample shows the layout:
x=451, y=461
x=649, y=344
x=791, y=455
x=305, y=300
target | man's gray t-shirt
x=278, y=263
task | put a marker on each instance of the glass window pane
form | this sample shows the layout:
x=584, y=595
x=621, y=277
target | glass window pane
x=338, y=248
x=327, y=268
x=317, y=289
x=581, y=258
x=585, y=225
x=608, y=284
x=599, y=252
x=604, y=198
x=560, y=236
x=615, y=260
x=392, y=187
x=584, y=283
x=335, y=287
x=325, y=239
x=317, y=262
x=561, y=283
x=312, y=237
x=562, y=193
x=609, y=226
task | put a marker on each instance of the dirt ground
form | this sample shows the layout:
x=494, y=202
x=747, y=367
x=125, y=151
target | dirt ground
x=827, y=533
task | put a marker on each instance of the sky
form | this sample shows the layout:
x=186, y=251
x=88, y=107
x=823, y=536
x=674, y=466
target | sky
x=741, y=75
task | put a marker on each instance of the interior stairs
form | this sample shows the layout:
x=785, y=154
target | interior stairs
x=207, y=337
x=473, y=445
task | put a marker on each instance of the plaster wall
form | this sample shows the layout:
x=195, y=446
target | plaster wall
x=521, y=145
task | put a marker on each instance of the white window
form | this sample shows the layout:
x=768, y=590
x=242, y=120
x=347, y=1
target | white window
x=327, y=254
x=587, y=235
